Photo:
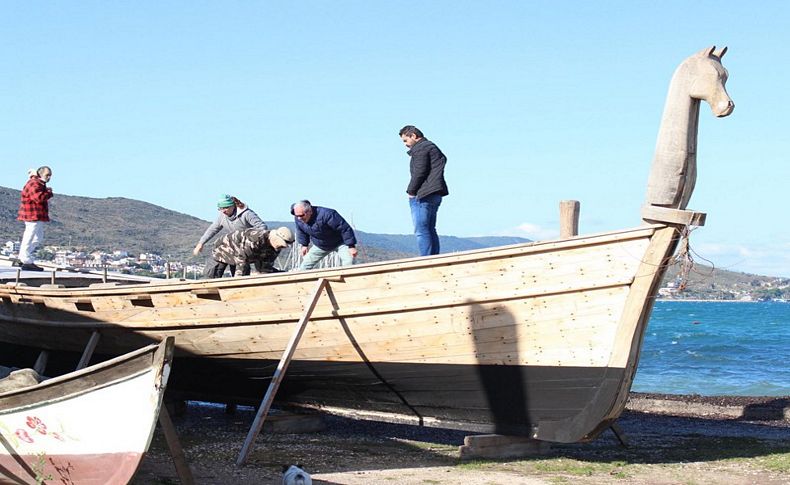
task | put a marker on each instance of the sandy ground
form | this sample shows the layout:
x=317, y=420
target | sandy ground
x=706, y=448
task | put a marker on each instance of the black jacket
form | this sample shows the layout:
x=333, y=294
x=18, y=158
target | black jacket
x=427, y=170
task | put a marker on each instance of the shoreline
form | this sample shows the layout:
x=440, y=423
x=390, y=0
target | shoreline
x=703, y=300
x=665, y=445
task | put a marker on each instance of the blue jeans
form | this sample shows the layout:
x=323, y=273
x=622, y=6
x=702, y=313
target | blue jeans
x=315, y=255
x=423, y=215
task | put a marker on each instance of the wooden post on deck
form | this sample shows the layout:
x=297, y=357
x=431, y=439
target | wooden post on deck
x=279, y=374
x=569, y=218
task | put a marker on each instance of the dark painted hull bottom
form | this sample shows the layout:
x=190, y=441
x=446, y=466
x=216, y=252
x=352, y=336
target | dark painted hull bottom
x=560, y=404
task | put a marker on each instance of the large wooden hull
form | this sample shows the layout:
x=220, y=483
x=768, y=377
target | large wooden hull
x=537, y=339
x=89, y=427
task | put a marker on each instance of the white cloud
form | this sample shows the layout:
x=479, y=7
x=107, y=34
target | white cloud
x=531, y=231
x=770, y=259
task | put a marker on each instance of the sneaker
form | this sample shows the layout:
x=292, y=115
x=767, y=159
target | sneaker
x=31, y=267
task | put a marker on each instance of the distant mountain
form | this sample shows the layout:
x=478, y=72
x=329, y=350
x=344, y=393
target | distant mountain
x=113, y=223
x=117, y=223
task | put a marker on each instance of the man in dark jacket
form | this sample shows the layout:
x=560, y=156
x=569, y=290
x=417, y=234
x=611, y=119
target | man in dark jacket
x=328, y=232
x=426, y=187
x=34, y=211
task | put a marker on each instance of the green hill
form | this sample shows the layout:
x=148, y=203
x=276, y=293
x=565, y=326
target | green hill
x=117, y=223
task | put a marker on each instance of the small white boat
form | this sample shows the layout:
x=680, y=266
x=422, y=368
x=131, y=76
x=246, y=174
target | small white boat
x=92, y=426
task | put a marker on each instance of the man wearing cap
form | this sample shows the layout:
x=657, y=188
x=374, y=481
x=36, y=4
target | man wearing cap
x=34, y=212
x=328, y=232
x=247, y=246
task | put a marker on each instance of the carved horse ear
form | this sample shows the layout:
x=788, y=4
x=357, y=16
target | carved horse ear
x=708, y=51
x=721, y=53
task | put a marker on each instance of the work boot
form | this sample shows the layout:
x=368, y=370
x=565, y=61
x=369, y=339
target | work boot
x=31, y=267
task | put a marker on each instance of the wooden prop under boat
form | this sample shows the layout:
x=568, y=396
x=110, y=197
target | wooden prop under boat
x=92, y=426
x=538, y=339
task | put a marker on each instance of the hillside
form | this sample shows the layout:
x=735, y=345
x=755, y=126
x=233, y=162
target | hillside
x=117, y=223
x=107, y=224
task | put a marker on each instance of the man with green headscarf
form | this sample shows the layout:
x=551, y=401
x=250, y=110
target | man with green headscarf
x=233, y=215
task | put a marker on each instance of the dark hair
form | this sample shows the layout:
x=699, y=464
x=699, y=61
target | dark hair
x=411, y=130
x=42, y=169
x=304, y=204
x=239, y=204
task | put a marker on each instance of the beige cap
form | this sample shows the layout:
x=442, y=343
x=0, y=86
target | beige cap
x=284, y=234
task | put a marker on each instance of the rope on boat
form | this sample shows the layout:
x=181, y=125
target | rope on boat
x=683, y=257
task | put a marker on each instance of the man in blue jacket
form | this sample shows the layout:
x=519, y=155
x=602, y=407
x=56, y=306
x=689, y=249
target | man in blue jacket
x=328, y=232
x=426, y=187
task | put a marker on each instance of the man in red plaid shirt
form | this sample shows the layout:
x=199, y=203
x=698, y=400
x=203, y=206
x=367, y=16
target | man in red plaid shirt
x=34, y=211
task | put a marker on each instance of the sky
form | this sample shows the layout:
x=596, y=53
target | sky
x=533, y=102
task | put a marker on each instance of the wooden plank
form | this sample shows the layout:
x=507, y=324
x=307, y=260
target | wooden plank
x=668, y=215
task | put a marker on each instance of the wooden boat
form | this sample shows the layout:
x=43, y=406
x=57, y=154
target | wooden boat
x=92, y=426
x=538, y=339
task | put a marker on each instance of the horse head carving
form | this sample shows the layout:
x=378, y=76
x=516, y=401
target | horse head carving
x=673, y=175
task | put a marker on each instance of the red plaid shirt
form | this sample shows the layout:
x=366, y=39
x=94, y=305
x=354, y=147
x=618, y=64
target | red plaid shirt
x=34, y=206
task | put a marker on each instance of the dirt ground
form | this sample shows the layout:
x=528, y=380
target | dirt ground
x=662, y=449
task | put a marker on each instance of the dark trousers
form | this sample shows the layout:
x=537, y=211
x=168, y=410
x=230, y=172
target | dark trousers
x=217, y=268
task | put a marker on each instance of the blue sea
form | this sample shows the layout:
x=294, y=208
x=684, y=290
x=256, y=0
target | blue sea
x=716, y=348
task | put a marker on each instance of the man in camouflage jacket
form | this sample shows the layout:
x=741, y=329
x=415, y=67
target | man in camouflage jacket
x=247, y=246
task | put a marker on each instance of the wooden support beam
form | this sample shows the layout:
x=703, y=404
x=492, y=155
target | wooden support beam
x=619, y=434
x=41, y=362
x=279, y=374
x=174, y=445
x=500, y=446
x=88, y=352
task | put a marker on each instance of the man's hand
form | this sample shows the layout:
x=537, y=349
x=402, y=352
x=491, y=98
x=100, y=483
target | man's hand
x=197, y=249
x=353, y=252
x=303, y=250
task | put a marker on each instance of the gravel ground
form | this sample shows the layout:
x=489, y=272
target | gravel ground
x=662, y=448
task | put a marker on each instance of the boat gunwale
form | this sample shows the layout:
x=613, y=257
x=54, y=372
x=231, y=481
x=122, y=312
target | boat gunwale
x=148, y=352
x=497, y=252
